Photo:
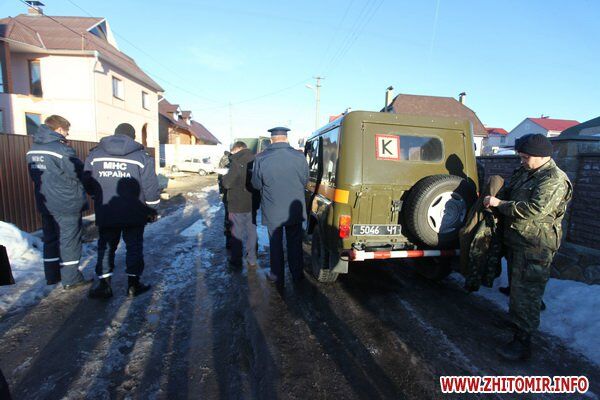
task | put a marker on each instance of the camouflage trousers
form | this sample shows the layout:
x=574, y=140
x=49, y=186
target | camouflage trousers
x=530, y=271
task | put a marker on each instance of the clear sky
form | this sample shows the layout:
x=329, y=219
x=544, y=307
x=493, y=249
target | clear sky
x=515, y=59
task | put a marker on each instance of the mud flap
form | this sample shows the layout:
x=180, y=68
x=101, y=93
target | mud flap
x=337, y=264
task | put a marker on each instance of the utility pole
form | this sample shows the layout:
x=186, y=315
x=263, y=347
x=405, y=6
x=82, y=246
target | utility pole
x=317, y=90
x=318, y=95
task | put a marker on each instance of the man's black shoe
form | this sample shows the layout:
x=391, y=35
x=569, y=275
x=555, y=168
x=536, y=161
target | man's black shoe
x=505, y=290
x=102, y=291
x=517, y=349
x=135, y=287
x=77, y=284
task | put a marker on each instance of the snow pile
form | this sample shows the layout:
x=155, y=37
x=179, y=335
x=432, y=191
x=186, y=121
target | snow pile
x=25, y=256
x=571, y=311
x=19, y=245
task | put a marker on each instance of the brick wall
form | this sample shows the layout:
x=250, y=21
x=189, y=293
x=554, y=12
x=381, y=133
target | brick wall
x=497, y=165
x=584, y=224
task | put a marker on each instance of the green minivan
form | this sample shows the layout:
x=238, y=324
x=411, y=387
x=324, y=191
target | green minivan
x=387, y=186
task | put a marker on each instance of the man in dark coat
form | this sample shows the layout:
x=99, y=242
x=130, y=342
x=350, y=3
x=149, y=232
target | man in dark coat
x=281, y=173
x=60, y=199
x=223, y=164
x=241, y=197
x=120, y=176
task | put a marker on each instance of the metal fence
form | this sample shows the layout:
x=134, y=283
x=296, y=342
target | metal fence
x=17, y=202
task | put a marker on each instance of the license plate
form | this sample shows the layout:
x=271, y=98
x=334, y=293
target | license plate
x=376, y=230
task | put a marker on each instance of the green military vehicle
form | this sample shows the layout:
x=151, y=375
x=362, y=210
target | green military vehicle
x=388, y=186
x=256, y=145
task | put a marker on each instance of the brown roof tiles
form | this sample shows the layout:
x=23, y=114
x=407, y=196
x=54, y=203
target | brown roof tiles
x=47, y=34
x=435, y=105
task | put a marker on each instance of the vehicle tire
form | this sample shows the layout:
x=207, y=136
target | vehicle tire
x=174, y=168
x=201, y=172
x=434, y=269
x=436, y=208
x=319, y=258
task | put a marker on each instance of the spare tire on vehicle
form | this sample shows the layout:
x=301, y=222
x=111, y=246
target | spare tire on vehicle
x=436, y=208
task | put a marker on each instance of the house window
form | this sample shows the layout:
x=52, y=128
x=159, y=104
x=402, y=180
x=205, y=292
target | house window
x=33, y=122
x=35, y=78
x=145, y=101
x=503, y=139
x=100, y=31
x=2, y=121
x=117, y=88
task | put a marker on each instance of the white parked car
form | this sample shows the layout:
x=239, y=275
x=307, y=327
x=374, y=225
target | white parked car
x=201, y=166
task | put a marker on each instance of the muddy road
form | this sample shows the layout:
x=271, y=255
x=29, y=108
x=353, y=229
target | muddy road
x=207, y=331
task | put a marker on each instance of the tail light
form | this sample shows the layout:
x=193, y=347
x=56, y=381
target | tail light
x=344, y=226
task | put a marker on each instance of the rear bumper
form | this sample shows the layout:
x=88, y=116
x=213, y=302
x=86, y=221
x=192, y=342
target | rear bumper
x=362, y=255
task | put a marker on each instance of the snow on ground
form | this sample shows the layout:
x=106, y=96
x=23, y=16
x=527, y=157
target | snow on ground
x=25, y=256
x=27, y=265
x=571, y=311
x=195, y=229
x=263, y=234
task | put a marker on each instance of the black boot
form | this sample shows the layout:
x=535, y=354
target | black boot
x=135, y=287
x=517, y=349
x=102, y=291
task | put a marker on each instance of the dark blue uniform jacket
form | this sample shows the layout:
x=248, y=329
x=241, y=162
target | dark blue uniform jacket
x=56, y=174
x=119, y=175
x=281, y=173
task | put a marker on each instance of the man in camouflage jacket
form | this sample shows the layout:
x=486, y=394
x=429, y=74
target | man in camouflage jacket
x=534, y=204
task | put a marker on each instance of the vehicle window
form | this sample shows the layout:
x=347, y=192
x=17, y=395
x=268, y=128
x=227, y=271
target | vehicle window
x=312, y=157
x=188, y=160
x=196, y=160
x=330, y=155
x=420, y=148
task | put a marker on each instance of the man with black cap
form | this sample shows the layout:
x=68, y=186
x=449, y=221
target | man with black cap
x=533, y=204
x=281, y=173
x=60, y=199
x=119, y=175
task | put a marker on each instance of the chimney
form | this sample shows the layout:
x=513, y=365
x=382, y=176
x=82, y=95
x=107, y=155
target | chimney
x=461, y=98
x=35, y=7
x=389, y=96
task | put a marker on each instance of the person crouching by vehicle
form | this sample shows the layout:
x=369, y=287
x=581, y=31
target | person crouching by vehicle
x=120, y=177
x=60, y=198
x=242, y=205
x=533, y=204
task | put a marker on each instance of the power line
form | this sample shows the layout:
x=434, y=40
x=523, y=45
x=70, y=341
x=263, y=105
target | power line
x=257, y=97
x=60, y=23
x=333, y=37
x=150, y=57
x=352, y=30
x=166, y=81
x=370, y=15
